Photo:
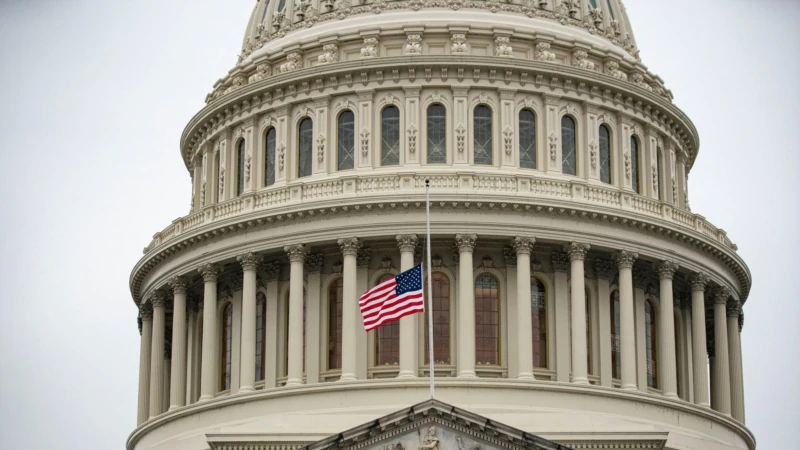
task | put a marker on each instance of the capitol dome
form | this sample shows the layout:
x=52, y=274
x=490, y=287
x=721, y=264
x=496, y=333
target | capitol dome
x=578, y=301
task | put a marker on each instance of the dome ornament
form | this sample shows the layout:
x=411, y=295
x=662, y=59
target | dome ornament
x=293, y=62
x=330, y=54
x=460, y=138
x=502, y=47
x=413, y=45
x=370, y=48
x=553, y=141
x=543, y=52
x=459, y=44
x=580, y=60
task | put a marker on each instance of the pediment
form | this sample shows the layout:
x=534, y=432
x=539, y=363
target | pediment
x=434, y=425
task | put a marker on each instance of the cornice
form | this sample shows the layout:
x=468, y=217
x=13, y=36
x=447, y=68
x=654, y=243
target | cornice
x=512, y=202
x=305, y=84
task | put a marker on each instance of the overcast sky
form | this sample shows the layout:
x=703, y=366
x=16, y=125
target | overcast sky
x=95, y=94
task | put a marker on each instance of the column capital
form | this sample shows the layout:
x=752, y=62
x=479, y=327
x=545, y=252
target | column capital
x=733, y=307
x=296, y=252
x=407, y=242
x=721, y=295
x=466, y=242
x=146, y=310
x=577, y=251
x=560, y=262
x=272, y=270
x=178, y=285
x=523, y=245
x=210, y=272
x=158, y=299
x=625, y=259
x=314, y=263
x=363, y=256
x=666, y=269
x=349, y=246
x=604, y=269
x=249, y=261
x=699, y=281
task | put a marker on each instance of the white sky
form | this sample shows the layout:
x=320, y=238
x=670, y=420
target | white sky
x=95, y=95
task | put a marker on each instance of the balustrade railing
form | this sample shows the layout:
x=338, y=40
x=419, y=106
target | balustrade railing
x=301, y=192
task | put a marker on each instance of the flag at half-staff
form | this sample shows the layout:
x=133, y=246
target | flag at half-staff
x=396, y=297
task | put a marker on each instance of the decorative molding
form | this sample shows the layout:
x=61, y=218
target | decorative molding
x=209, y=272
x=666, y=269
x=577, y=251
x=321, y=147
x=413, y=45
x=543, y=52
x=412, y=138
x=330, y=54
x=314, y=263
x=604, y=269
x=560, y=262
x=407, y=242
x=625, y=259
x=458, y=44
x=502, y=47
x=249, y=261
x=364, y=141
x=466, y=242
x=580, y=60
x=296, y=252
x=523, y=245
x=349, y=246
x=370, y=48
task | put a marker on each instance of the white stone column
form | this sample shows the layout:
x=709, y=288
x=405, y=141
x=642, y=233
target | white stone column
x=640, y=280
x=297, y=255
x=624, y=260
x=143, y=412
x=523, y=246
x=666, y=329
x=210, y=272
x=247, y=374
x=409, y=359
x=686, y=306
x=466, y=306
x=191, y=349
x=577, y=255
x=605, y=272
x=735, y=357
x=313, y=266
x=363, y=258
x=722, y=379
x=272, y=273
x=699, y=350
x=350, y=309
x=561, y=268
x=177, y=390
x=157, y=355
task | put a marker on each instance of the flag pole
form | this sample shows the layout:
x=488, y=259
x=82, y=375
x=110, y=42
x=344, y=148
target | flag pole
x=431, y=362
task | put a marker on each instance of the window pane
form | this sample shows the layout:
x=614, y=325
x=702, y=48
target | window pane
x=441, y=320
x=227, y=341
x=593, y=3
x=305, y=148
x=437, y=134
x=635, y=164
x=390, y=136
x=335, y=297
x=281, y=5
x=387, y=338
x=605, y=155
x=610, y=9
x=346, y=140
x=527, y=139
x=616, y=361
x=240, y=169
x=568, y=156
x=539, y=323
x=487, y=320
x=482, y=139
x=650, y=339
x=269, y=161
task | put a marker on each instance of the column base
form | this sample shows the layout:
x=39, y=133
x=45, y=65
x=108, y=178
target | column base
x=672, y=396
x=630, y=387
x=294, y=382
x=407, y=374
x=205, y=398
x=526, y=377
x=174, y=407
x=467, y=374
x=348, y=377
x=581, y=380
x=246, y=390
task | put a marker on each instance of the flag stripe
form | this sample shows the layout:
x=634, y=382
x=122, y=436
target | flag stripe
x=396, y=297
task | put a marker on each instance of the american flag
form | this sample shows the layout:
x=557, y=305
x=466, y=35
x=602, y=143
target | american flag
x=396, y=297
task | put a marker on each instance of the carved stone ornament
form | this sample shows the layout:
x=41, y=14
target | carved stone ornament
x=577, y=251
x=239, y=81
x=502, y=47
x=596, y=15
x=593, y=154
x=370, y=48
x=553, y=143
x=458, y=44
x=413, y=45
x=363, y=257
x=460, y=138
x=721, y=295
x=247, y=163
x=209, y=272
x=612, y=68
x=146, y=310
x=487, y=262
x=320, y=148
x=314, y=263
x=407, y=242
x=178, y=285
x=560, y=262
x=654, y=170
x=262, y=72
x=349, y=246
x=221, y=182
x=203, y=194
x=293, y=62
x=281, y=156
x=296, y=252
x=699, y=281
x=604, y=269
x=272, y=270
x=249, y=261
x=666, y=269
x=330, y=54
x=580, y=59
x=627, y=165
x=412, y=138
x=625, y=259
x=364, y=142
x=523, y=245
x=508, y=140
x=510, y=255
x=543, y=52
x=638, y=79
x=466, y=242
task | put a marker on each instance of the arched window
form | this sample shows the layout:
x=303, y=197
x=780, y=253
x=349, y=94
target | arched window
x=527, y=139
x=305, y=144
x=335, y=302
x=657, y=175
x=610, y=10
x=539, y=323
x=593, y=3
x=635, y=164
x=569, y=159
x=441, y=320
x=269, y=160
x=227, y=341
x=390, y=136
x=487, y=320
x=650, y=339
x=281, y=6
x=286, y=334
x=482, y=138
x=345, y=138
x=437, y=134
x=387, y=338
x=261, y=335
x=605, y=154
x=240, y=155
x=616, y=361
